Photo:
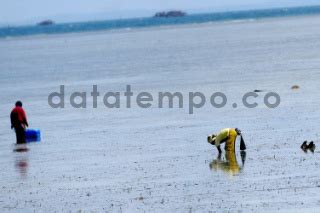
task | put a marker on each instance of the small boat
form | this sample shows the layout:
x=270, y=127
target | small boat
x=46, y=23
x=169, y=14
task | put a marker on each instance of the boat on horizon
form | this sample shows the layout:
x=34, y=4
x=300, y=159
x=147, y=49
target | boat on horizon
x=46, y=23
x=172, y=13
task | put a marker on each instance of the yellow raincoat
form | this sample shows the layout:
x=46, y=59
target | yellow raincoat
x=228, y=135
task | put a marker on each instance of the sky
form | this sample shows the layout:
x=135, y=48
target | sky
x=32, y=11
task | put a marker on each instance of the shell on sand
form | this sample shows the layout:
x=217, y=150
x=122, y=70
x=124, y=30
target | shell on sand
x=294, y=87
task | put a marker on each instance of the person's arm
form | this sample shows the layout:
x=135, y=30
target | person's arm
x=217, y=143
x=220, y=138
x=12, y=120
x=219, y=149
x=25, y=118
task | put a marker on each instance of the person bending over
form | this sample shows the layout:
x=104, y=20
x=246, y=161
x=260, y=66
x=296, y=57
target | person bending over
x=228, y=136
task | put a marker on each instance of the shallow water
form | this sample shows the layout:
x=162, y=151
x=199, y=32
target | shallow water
x=154, y=159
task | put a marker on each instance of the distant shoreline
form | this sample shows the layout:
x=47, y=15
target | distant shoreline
x=151, y=28
x=134, y=23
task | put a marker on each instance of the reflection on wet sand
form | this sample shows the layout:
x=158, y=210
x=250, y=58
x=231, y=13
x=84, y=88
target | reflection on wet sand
x=230, y=164
x=21, y=160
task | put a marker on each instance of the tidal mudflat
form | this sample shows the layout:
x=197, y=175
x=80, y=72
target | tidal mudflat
x=157, y=159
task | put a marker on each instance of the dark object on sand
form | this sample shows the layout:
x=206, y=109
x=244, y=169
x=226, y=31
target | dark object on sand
x=173, y=13
x=304, y=145
x=242, y=144
x=46, y=23
x=311, y=146
x=258, y=90
x=295, y=87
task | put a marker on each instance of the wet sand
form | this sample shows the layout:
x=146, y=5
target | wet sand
x=157, y=160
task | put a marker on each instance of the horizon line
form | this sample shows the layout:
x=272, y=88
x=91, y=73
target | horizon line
x=189, y=12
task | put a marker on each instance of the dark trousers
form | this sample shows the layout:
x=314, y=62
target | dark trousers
x=21, y=135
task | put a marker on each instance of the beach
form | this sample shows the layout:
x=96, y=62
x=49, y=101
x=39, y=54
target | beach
x=157, y=159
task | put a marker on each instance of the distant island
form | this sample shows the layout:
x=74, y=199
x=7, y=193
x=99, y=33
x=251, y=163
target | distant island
x=173, y=13
x=46, y=23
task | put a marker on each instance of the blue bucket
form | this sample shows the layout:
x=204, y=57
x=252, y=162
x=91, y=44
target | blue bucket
x=33, y=135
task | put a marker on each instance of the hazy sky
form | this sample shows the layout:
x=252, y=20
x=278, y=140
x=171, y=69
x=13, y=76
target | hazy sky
x=27, y=11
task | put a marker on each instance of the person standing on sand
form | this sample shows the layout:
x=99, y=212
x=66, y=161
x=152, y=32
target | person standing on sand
x=19, y=122
x=228, y=135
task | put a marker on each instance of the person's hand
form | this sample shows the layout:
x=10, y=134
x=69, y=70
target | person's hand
x=238, y=131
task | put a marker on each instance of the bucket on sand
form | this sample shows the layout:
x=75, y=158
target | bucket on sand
x=33, y=135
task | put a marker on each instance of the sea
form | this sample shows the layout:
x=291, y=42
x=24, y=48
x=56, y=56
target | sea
x=13, y=31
